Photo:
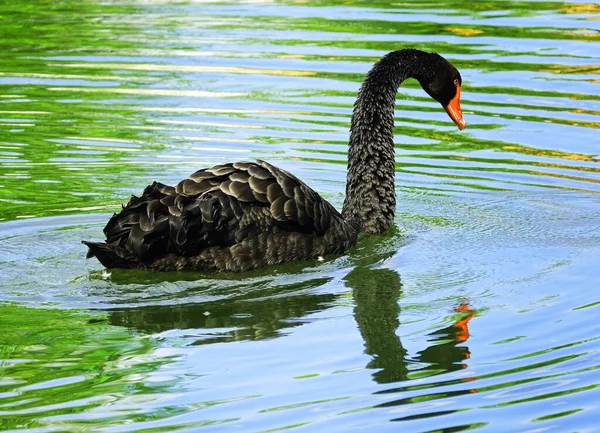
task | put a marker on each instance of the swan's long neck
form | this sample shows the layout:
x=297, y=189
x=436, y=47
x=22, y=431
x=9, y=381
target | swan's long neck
x=370, y=195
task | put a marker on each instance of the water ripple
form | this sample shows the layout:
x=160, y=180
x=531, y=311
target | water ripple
x=477, y=311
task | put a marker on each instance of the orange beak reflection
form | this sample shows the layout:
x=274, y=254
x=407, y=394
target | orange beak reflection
x=453, y=110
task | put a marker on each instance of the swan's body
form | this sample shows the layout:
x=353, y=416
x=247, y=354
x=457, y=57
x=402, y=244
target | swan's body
x=241, y=216
x=231, y=217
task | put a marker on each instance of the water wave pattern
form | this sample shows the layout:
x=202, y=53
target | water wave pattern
x=477, y=311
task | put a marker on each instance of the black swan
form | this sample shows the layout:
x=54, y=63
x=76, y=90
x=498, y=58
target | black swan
x=244, y=215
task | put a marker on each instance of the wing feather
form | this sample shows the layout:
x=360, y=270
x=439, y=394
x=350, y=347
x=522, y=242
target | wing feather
x=219, y=206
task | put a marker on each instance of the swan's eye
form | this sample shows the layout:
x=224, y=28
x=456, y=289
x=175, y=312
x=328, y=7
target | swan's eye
x=456, y=83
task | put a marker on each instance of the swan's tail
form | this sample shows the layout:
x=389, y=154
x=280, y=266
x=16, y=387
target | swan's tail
x=111, y=256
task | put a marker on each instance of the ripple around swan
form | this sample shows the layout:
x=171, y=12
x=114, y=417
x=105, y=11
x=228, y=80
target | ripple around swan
x=478, y=311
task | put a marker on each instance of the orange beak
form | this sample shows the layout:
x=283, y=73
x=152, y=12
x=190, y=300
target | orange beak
x=453, y=110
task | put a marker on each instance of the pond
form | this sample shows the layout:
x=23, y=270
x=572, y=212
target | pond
x=478, y=310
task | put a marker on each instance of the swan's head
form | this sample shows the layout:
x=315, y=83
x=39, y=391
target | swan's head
x=442, y=82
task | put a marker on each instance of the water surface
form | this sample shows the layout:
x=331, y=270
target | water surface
x=477, y=311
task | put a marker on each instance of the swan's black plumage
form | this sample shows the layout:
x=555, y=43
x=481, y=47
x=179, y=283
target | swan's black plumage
x=244, y=215
x=231, y=217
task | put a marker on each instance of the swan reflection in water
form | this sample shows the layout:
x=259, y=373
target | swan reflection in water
x=377, y=314
x=266, y=309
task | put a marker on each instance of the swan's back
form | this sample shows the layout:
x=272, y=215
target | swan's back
x=234, y=217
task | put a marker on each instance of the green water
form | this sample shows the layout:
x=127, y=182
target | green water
x=477, y=311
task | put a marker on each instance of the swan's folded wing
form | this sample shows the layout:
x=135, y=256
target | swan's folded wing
x=218, y=206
